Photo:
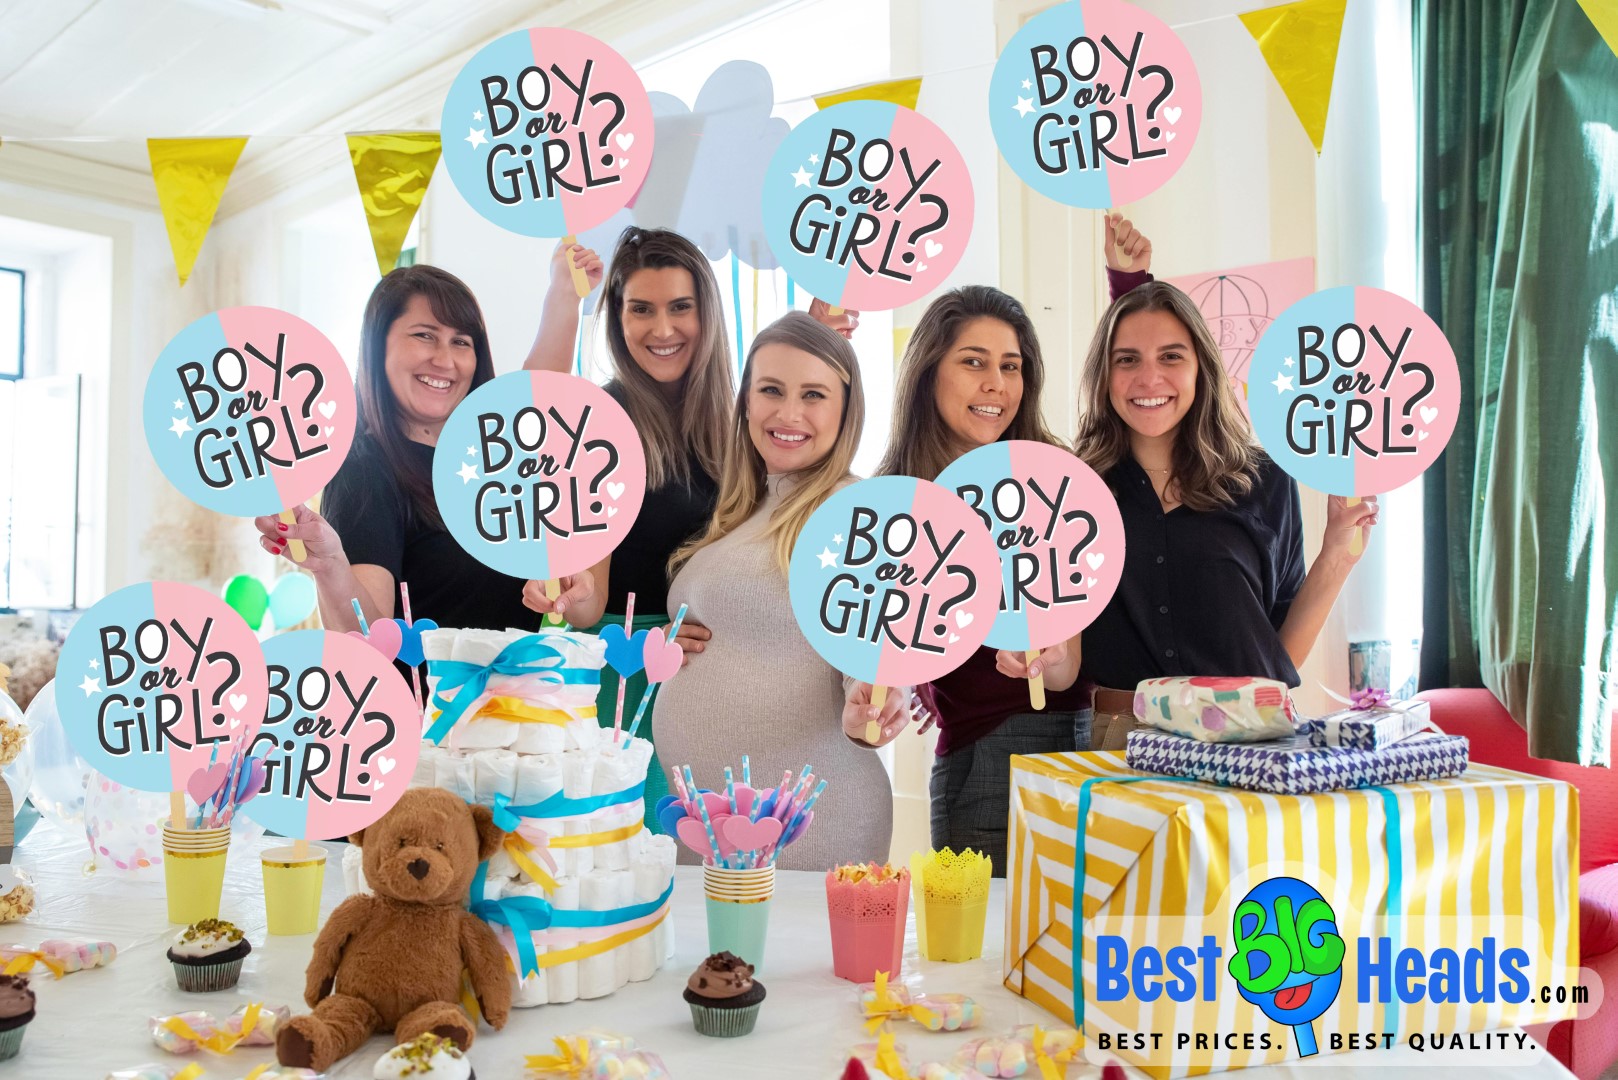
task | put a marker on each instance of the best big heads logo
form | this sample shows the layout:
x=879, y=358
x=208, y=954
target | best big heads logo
x=1289, y=954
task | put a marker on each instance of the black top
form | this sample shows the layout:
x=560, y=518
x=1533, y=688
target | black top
x=378, y=526
x=1203, y=592
x=670, y=515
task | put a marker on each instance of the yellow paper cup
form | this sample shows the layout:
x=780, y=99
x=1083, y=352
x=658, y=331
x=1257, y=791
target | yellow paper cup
x=292, y=888
x=194, y=872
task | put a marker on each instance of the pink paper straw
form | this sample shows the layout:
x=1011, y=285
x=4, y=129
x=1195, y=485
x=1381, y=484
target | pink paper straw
x=623, y=680
x=415, y=676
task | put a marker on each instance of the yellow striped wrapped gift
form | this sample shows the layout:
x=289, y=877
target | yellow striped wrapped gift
x=1428, y=888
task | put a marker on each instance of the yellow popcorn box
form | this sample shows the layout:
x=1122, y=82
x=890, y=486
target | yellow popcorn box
x=1226, y=928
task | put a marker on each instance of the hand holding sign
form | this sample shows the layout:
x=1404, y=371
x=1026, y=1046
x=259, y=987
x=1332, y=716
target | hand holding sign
x=1059, y=534
x=547, y=132
x=894, y=582
x=1095, y=103
x=539, y=475
x=250, y=411
x=339, y=739
x=1354, y=391
x=155, y=678
x=868, y=204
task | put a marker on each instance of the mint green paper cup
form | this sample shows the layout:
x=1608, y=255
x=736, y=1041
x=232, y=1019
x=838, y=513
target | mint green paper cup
x=739, y=903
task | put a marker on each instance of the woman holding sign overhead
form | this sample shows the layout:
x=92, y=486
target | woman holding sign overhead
x=423, y=348
x=1214, y=580
x=758, y=687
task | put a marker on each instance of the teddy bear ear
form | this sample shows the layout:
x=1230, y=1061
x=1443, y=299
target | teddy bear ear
x=490, y=835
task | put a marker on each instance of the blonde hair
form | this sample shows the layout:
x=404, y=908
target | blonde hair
x=1215, y=457
x=919, y=443
x=695, y=426
x=742, y=479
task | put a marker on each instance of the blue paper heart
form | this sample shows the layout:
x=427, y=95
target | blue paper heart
x=626, y=653
x=410, y=640
x=670, y=817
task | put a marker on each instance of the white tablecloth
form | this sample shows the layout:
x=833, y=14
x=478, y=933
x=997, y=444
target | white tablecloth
x=92, y=1022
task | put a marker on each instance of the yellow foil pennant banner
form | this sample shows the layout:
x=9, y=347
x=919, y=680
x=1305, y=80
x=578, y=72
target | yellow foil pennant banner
x=1604, y=14
x=191, y=175
x=1299, y=42
x=899, y=92
x=392, y=169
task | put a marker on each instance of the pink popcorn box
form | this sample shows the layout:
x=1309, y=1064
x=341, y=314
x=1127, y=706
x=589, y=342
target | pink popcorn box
x=867, y=925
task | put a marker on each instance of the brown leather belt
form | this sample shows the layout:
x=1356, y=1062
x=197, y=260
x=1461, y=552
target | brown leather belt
x=1115, y=701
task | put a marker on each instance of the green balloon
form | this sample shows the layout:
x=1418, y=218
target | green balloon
x=248, y=597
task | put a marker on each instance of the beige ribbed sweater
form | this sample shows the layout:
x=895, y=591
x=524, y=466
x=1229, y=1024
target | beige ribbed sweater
x=759, y=688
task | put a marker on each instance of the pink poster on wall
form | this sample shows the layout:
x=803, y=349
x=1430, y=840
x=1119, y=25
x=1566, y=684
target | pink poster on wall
x=1240, y=304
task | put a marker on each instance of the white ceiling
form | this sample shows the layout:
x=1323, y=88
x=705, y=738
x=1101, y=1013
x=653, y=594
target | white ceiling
x=112, y=73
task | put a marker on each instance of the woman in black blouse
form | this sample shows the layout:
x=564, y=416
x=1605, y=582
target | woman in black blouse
x=423, y=348
x=1213, y=580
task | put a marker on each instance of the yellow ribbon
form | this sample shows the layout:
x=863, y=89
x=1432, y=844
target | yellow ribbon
x=572, y=1060
x=23, y=963
x=1051, y=1066
x=258, y=1071
x=887, y=1058
x=595, y=839
x=516, y=711
x=518, y=847
x=220, y=1042
x=469, y=1000
x=193, y=1071
x=888, y=1005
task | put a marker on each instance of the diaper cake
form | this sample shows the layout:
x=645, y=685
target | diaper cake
x=579, y=894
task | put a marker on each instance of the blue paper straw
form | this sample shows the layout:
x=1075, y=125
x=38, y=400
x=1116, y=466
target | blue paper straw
x=365, y=627
x=802, y=810
x=747, y=771
x=730, y=788
x=707, y=823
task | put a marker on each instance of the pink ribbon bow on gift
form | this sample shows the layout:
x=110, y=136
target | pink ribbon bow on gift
x=1372, y=698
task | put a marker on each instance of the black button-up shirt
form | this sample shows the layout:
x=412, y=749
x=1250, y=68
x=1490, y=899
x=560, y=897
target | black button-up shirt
x=1203, y=592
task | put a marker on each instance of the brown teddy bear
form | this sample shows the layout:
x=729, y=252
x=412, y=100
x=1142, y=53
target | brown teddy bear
x=392, y=961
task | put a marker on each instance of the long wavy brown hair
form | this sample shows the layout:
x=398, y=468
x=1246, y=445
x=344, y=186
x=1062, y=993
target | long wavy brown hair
x=919, y=442
x=696, y=426
x=1215, y=458
x=742, y=484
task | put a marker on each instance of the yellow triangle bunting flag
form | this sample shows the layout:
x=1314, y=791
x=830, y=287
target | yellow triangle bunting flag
x=1604, y=14
x=191, y=175
x=899, y=92
x=392, y=169
x=1299, y=42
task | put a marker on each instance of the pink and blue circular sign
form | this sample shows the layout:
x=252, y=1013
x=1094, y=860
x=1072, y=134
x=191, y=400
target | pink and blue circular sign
x=156, y=680
x=547, y=132
x=1095, y=103
x=339, y=740
x=868, y=205
x=539, y=474
x=249, y=410
x=1354, y=391
x=894, y=581
x=1059, y=535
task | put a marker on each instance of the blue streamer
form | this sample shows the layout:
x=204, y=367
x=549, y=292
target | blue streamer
x=559, y=805
x=578, y=348
x=1395, y=900
x=521, y=657
x=791, y=292
x=736, y=303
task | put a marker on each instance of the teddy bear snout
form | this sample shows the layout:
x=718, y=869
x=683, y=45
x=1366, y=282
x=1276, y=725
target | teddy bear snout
x=418, y=868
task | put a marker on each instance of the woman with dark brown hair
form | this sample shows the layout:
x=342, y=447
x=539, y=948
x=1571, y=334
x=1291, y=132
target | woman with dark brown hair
x=423, y=348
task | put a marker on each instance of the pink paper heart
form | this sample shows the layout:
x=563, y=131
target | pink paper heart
x=751, y=835
x=695, y=837
x=204, y=783
x=386, y=638
x=662, y=659
x=718, y=805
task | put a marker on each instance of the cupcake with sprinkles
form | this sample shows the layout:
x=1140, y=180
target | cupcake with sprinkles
x=208, y=956
x=16, y=1010
x=426, y=1057
x=724, y=997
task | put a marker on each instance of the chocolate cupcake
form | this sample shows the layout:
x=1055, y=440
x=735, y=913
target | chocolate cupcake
x=724, y=997
x=208, y=956
x=16, y=1010
x=426, y=1057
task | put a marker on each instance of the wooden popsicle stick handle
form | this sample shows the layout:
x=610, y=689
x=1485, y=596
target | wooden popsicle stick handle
x=834, y=312
x=300, y=850
x=295, y=549
x=1356, y=543
x=1036, y=685
x=581, y=281
x=553, y=589
x=873, y=729
x=1118, y=251
x=177, y=819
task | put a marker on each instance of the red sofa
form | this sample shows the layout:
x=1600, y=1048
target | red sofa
x=1586, y=1046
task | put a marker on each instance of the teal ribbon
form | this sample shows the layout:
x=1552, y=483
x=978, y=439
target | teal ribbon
x=560, y=805
x=1395, y=899
x=736, y=298
x=526, y=915
x=522, y=657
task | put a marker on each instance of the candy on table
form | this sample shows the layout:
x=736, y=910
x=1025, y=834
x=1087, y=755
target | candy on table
x=154, y=1072
x=935, y=1012
x=597, y=1055
x=883, y=1059
x=1018, y=1053
x=69, y=956
x=1059, y=1042
x=188, y=1032
x=280, y=1072
x=940, y=1070
x=16, y=894
x=867, y=873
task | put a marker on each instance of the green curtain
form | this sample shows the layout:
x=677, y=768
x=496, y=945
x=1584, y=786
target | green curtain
x=1518, y=174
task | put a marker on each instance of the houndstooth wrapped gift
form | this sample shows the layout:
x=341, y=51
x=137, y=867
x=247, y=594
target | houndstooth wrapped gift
x=1295, y=766
x=1369, y=729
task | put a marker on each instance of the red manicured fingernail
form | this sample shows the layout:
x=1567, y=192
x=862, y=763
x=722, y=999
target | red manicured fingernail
x=281, y=526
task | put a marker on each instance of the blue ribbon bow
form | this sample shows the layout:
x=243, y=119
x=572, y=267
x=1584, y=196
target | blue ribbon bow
x=559, y=805
x=525, y=656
